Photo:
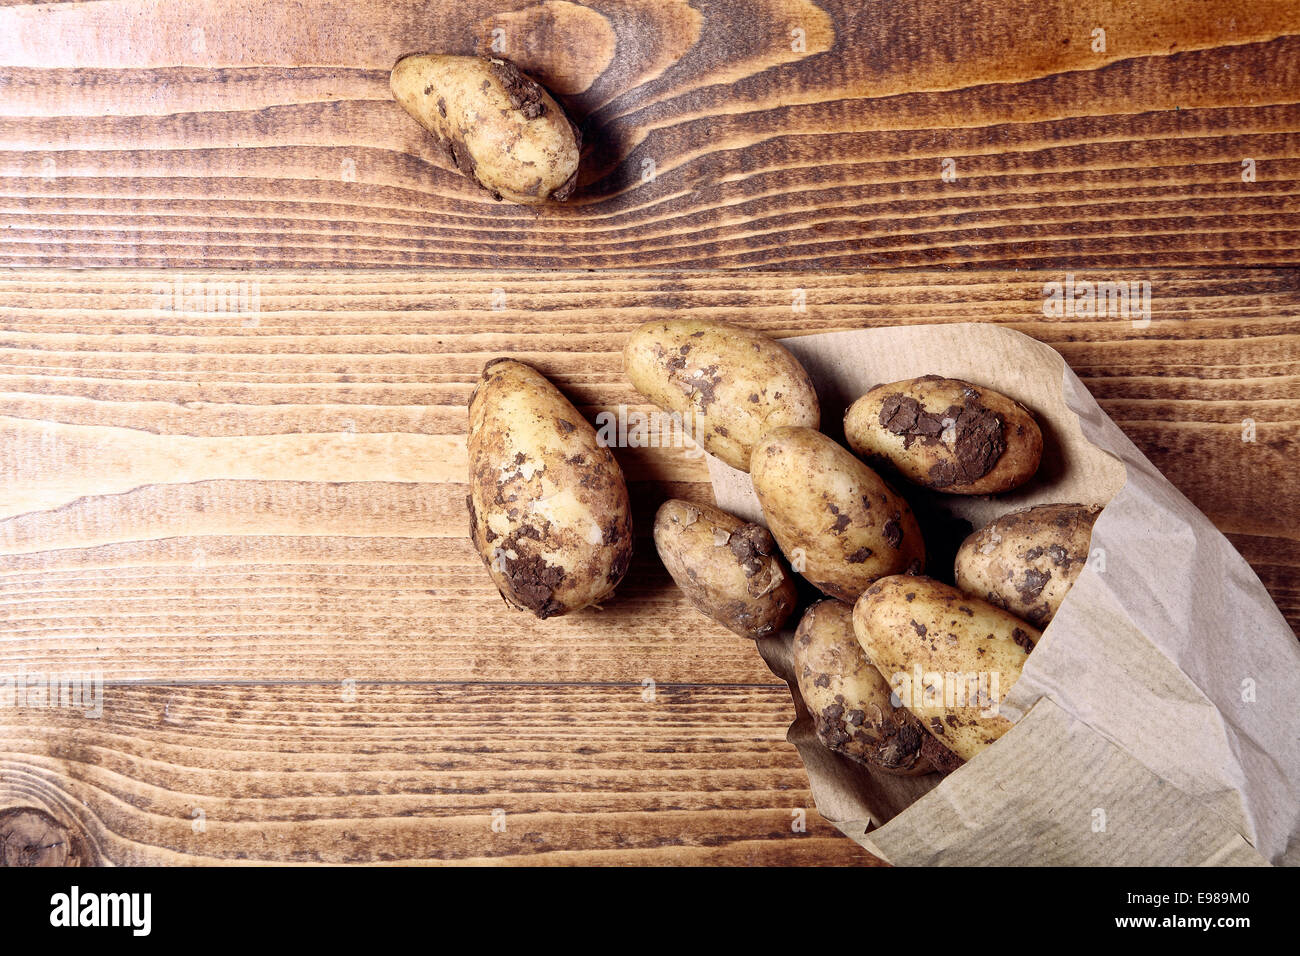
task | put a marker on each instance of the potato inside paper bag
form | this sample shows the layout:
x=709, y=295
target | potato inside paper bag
x=1157, y=719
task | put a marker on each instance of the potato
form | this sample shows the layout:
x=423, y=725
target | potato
x=947, y=434
x=850, y=702
x=500, y=128
x=840, y=525
x=950, y=658
x=548, y=508
x=1026, y=561
x=728, y=568
x=729, y=384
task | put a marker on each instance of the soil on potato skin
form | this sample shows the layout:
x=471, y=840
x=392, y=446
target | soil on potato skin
x=533, y=583
x=891, y=744
x=939, y=756
x=525, y=93
x=978, y=429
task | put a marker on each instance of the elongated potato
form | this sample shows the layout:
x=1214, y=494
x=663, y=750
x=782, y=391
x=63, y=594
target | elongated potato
x=947, y=434
x=850, y=702
x=548, y=507
x=1026, y=561
x=500, y=128
x=729, y=384
x=728, y=568
x=839, y=524
x=950, y=658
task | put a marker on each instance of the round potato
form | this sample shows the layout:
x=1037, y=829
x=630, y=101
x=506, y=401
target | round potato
x=1026, y=561
x=728, y=568
x=839, y=524
x=950, y=658
x=851, y=704
x=548, y=508
x=500, y=128
x=730, y=385
x=947, y=434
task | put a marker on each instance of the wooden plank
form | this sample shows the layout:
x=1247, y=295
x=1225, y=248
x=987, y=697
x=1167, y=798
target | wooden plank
x=719, y=133
x=279, y=496
x=243, y=518
x=473, y=773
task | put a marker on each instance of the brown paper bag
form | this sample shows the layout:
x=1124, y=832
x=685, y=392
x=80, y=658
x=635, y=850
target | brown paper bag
x=1156, y=720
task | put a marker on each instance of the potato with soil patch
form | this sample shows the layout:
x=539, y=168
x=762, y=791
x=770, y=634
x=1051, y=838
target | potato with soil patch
x=850, y=702
x=949, y=657
x=729, y=384
x=548, y=506
x=947, y=434
x=728, y=568
x=1026, y=561
x=500, y=127
x=837, y=522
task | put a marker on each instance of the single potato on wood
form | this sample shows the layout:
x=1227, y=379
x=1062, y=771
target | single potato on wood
x=1026, y=561
x=950, y=658
x=548, y=507
x=500, y=128
x=729, y=569
x=729, y=384
x=947, y=435
x=850, y=702
x=838, y=523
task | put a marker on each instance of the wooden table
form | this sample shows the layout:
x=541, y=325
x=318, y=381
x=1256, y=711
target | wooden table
x=243, y=300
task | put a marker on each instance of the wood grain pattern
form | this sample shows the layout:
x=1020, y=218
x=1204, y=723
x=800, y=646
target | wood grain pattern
x=239, y=495
x=232, y=514
x=782, y=134
x=473, y=773
x=293, y=488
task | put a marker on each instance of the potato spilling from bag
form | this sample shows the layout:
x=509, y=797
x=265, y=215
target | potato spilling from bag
x=850, y=702
x=500, y=128
x=947, y=435
x=729, y=569
x=548, y=507
x=949, y=657
x=729, y=384
x=1026, y=561
x=837, y=522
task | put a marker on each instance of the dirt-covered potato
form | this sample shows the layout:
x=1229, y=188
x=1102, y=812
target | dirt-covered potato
x=949, y=657
x=729, y=384
x=947, y=434
x=500, y=128
x=728, y=568
x=838, y=523
x=850, y=702
x=548, y=508
x=1026, y=560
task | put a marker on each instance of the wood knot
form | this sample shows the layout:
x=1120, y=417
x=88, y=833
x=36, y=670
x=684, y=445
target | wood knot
x=562, y=45
x=31, y=837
